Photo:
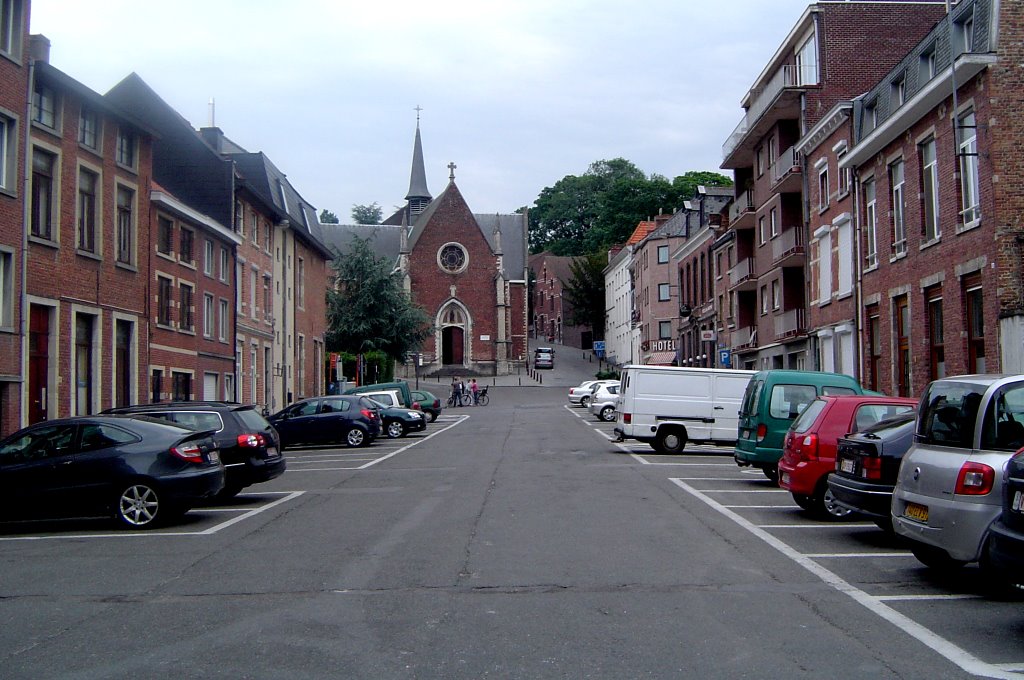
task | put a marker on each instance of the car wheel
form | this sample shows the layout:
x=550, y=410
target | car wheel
x=608, y=414
x=395, y=429
x=771, y=473
x=433, y=416
x=826, y=506
x=935, y=558
x=138, y=505
x=355, y=437
x=585, y=402
x=671, y=441
x=228, y=492
x=804, y=501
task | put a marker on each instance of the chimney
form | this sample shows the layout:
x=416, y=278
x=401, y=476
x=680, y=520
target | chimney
x=214, y=137
x=39, y=48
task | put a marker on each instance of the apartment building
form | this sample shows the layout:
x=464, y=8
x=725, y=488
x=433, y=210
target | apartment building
x=621, y=334
x=655, y=287
x=822, y=61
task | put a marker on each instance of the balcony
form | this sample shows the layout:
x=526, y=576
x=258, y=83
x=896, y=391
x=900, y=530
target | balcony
x=788, y=249
x=791, y=324
x=743, y=276
x=741, y=211
x=778, y=99
x=787, y=173
x=744, y=339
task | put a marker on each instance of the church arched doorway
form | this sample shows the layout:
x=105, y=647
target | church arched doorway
x=454, y=325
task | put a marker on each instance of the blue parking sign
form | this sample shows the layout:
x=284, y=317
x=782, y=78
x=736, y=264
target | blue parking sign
x=725, y=357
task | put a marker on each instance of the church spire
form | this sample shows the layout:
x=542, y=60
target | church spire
x=418, y=196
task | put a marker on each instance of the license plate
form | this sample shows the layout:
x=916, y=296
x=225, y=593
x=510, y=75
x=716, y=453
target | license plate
x=272, y=452
x=916, y=512
x=214, y=456
x=847, y=465
x=1018, y=502
x=785, y=478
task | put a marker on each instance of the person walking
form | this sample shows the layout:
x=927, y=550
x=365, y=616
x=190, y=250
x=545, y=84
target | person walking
x=475, y=391
x=457, y=390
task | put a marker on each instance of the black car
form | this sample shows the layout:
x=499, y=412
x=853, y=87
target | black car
x=347, y=418
x=397, y=421
x=1006, y=535
x=140, y=471
x=248, y=445
x=867, y=464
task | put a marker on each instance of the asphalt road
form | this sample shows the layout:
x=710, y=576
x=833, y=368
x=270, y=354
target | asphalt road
x=508, y=541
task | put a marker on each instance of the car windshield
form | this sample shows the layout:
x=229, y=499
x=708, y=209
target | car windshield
x=809, y=415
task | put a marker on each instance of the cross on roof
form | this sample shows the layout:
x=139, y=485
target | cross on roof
x=451, y=173
x=417, y=110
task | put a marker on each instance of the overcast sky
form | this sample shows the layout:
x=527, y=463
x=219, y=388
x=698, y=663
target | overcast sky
x=517, y=93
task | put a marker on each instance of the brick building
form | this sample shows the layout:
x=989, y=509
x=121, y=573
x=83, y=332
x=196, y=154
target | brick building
x=621, y=334
x=14, y=117
x=552, y=313
x=821, y=62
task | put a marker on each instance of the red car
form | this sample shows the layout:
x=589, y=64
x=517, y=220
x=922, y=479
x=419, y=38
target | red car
x=809, y=448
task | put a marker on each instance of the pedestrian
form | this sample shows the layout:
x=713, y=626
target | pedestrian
x=456, y=390
x=475, y=390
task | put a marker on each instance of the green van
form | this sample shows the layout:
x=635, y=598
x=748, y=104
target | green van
x=771, y=403
x=401, y=386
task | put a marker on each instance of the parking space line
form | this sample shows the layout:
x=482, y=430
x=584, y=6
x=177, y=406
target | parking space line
x=761, y=507
x=461, y=419
x=742, y=490
x=643, y=460
x=926, y=598
x=822, y=525
x=713, y=479
x=955, y=654
x=819, y=556
x=1019, y=666
x=252, y=513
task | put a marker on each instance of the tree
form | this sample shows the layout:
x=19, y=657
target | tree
x=585, y=292
x=368, y=310
x=327, y=217
x=367, y=214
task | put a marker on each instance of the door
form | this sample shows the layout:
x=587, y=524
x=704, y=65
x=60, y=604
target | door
x=729, y=391
x=210, y=387
x=38, y=363
x=30, y=481
x=452, y=340
x=297, y=424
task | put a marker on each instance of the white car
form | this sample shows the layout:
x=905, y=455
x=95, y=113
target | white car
x=581, y=393
x=604, y=401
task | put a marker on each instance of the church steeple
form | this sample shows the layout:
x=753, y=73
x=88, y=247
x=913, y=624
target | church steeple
x=418, y=196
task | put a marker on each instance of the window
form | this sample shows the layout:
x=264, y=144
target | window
x=930, y=190
x=759, y=156
x=88, y=129
x=874, y=332
x=928, y=65
x=125, y=154
x=224, y=319
x=208, y=257
x=870, y=226
x=824, y=265
x=807, y=61
x=255, y=229
x=965, y=29
x=10, y=27
x=974, y=315
x=771, y=152
x=229, y=387
x=301, y=279
x=844, y=173
x=164, y=235
x=8, y=155
x=936, y=344
x=284, y=196
x=6, y=289
x=899, y=229
x=185, y=312
x=664, y=330
x=253, y=393
x=239, y=277
x=268, y=304
x=967, y=133
x=663, y=292
x=268, y=238
x=123, y=331
x=224, y=264
x=760, y=230
x=239, y=218
x=253, y=280
x=87, y=182
x=43, y=167
x=156, y=385
x=44, y=106
x=185, y=252
x=84, y=326
x=845, y=257
x=898, y=94
x=773, y=219
x=901, y=326
x=775, y=294
x=788, y=401
x=823, y=188
x=662, y=254
x=870, y=121
x=208, y=320
x=163, y=300
x=718, y=265
x=125, y=225
x=302, y=366
x=181, y=386
x=764, y=299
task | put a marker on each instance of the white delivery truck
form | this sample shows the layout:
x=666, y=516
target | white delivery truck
x=667, y=406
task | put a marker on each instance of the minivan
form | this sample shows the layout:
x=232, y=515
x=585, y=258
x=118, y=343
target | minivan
x=401, y=386
x=773, y=400
x=666, y=406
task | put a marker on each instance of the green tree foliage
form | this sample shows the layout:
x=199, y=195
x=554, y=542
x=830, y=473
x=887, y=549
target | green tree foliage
x=601, y=207
x=585, y=292
x=327, y=217
x=368, y=310
x=367, y=214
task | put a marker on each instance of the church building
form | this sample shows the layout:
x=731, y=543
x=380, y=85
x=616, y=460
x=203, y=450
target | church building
x=467, y=270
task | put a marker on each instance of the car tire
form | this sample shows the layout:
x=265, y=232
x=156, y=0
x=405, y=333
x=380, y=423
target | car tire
x=356, y=437
x=228, y=492
x=394, y=429
x=772, y=473
x=139, y=505
x=608, y=414
x=670, y=441
x=585, y=402
x=934, y=558
x=804, y=501
x=825, y=506
x=433, y=416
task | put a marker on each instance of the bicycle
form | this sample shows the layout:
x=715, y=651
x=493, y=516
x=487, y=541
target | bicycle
x=481, y=398
x=464, y=400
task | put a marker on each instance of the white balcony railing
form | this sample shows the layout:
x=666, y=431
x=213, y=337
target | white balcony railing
x=790, y=323
x=790, y=75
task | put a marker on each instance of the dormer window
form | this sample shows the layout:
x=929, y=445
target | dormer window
x=125, y=148
x=44, y=106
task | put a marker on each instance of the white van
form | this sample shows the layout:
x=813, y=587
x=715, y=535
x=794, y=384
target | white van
x=667, y=406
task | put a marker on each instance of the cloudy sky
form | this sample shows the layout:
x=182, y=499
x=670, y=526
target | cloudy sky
x=517, y=93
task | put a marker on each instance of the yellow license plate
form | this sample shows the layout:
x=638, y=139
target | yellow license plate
x=916, y=512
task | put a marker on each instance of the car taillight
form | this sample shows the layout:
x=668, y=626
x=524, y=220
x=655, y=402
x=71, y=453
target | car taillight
x=627, y=418
x=252, y=441
x=871, y=468
x=416, y=406
x=762, y=430
x=190, y=453
x=975, y=479
x=805, y=447
x=367, y=413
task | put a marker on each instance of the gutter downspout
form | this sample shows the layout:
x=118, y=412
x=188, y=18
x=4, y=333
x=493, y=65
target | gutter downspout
x=858, y=287
x=26, y=207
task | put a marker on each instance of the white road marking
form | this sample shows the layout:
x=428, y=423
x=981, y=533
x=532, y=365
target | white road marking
x=789, y=508
x=745, y=491
x=461, y=419
x=819, y=556
x=926, y=598
x=962, y=658
x=823, y=525
x=252, y=513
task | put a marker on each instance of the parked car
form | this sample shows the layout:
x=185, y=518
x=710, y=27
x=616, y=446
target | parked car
x=809, y=452
x=138, y=470
x=1006, y=535
x=385, y=397
x=351, y=419
x=543, y=360
x=666, y=406
x=771, y=403
x=249, y=446
x=428, y=403
x=947, y=494
x=581, y=394
x=397, y=421
x=400, y=385
x=867, y=464
x=603, y=402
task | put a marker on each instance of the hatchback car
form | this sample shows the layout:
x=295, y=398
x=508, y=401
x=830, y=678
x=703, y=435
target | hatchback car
x=809, y=448
x=248, y=444
x=604, y=402
x=397, y=421
x=428, y=403
x=947, y=494
x=867, y=463
x=138, y=470
x=582, y=393
x=350, y=419
x=1006, y=537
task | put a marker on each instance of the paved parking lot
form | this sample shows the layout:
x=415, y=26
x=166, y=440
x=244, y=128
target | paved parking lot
x=949, y=614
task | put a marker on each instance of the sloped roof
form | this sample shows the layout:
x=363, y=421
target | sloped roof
x=641, y=232
x=418, y=176
x=385, y=240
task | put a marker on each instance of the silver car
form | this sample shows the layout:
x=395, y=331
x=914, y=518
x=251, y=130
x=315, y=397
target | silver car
x=948, y=491
x=583, y=392
x=604, y=401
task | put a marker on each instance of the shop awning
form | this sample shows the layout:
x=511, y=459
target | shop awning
x=660, y=358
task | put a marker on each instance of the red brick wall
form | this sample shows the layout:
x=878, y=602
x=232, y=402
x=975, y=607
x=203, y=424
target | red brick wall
x=253, y=329
x=311, y=318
